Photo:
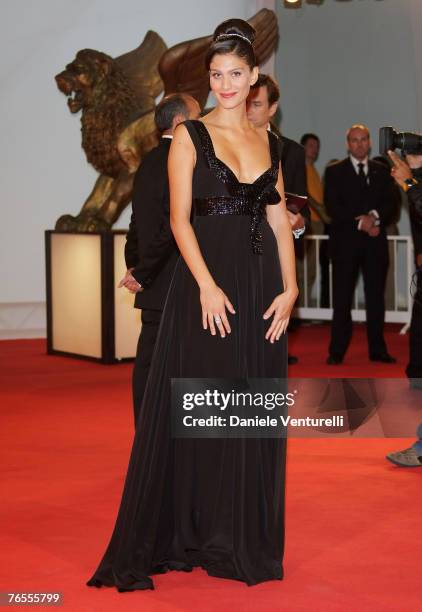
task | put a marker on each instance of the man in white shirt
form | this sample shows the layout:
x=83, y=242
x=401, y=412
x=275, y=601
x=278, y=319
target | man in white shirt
x=359, y=196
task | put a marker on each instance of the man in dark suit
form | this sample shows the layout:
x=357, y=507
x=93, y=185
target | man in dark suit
x=359, y=196
x=262, y=105
x=151, y=252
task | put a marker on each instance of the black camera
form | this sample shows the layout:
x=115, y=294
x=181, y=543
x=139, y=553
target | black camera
x=409, y=143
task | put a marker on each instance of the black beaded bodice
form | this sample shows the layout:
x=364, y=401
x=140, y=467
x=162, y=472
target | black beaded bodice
x=226, y=195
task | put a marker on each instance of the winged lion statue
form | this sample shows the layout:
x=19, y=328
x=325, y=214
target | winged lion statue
x=116, y=98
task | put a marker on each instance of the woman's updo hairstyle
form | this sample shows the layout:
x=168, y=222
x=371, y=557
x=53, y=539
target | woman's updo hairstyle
x=233, y=36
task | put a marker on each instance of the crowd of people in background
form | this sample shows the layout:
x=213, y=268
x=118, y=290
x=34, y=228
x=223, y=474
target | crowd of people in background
x=356, y=204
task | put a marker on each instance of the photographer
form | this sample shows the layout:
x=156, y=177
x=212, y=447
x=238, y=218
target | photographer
x=408, y=175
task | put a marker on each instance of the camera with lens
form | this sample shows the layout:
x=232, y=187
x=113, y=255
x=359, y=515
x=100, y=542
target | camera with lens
x=408, y=142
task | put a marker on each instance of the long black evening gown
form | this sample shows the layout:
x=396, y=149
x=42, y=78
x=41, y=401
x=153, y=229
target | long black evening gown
x=214, y=503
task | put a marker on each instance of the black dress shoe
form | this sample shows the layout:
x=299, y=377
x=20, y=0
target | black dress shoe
x=383, y=358
x=334, y=359
x=291, y=359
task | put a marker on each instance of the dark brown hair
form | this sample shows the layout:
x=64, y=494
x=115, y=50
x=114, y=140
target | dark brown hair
x=168, y=108
x=233, y=36
x=273, y=91
x=309, y=136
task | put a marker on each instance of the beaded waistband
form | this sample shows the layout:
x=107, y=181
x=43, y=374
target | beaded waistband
x=223, y=206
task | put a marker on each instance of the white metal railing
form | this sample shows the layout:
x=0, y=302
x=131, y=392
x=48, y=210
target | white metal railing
x=399, y=277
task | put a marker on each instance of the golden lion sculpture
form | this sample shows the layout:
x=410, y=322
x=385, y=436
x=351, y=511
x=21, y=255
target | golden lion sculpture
x=117, y=101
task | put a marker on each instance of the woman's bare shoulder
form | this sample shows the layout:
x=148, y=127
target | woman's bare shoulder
x=182, y=136
x=182, y=146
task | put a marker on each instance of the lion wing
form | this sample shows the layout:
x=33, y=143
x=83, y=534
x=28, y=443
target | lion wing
x=140, y=66
x=266, y=26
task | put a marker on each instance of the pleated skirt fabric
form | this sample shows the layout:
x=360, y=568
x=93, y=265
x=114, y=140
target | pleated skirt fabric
x=213, y=503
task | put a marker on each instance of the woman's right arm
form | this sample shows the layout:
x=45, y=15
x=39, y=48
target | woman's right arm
x=181, y=162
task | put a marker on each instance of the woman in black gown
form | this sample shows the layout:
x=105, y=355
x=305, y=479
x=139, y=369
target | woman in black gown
x=214, y=503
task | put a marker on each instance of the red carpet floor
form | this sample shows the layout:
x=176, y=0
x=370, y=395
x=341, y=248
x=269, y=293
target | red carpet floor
x=353, y=520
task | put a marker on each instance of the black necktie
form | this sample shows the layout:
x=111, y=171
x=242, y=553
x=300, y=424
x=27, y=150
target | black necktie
x=361, y=173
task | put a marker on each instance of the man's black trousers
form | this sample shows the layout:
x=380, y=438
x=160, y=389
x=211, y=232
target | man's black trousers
x=145, y=349
x=373, y=262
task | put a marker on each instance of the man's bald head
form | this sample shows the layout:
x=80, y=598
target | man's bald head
x=357, y=126
x=358, y=141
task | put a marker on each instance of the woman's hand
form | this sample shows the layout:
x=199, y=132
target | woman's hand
x=214, y=303
x=281, y=308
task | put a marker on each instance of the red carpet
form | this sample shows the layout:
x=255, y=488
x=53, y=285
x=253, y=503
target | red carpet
x=310, y=343
x=353, y=520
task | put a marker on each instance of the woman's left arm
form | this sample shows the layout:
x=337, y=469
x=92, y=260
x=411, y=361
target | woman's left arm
x=282, y=304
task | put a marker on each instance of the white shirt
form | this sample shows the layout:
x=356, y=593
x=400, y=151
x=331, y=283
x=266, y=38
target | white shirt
x=356, y=163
